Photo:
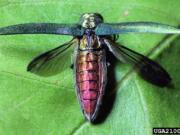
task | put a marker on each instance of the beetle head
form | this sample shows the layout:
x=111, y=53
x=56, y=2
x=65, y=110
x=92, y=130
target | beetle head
x=90, y=20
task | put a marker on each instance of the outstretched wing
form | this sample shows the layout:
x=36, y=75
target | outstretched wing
x=53, y=61
x=148, y=69
x=134, y=27
x=43, y=28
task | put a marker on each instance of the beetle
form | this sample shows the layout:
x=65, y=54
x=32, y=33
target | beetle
x=92, y=38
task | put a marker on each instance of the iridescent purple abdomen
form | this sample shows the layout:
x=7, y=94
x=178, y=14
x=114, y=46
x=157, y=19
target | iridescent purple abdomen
x=90, y=80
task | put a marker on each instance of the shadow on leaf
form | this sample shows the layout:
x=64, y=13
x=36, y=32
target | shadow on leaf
x=109, y=97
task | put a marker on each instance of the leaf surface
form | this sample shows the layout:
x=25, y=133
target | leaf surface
x=44, y=106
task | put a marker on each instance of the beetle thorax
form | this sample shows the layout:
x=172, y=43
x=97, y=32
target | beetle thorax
x=89, y=42
x=91, y=20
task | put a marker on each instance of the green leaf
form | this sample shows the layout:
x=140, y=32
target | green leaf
x=33, y=105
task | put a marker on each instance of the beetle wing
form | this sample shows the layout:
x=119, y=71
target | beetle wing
x=53, y=61
x=43, y=28
x=135, y=27
x=148, y=69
